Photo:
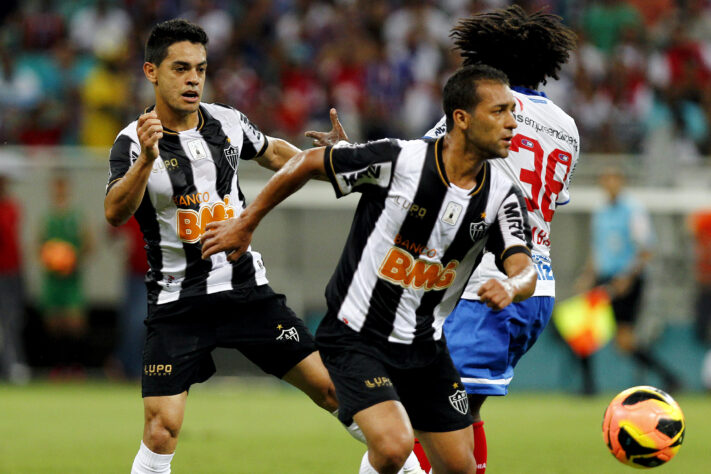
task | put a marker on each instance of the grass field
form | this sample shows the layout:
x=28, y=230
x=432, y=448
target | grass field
x=259, y=429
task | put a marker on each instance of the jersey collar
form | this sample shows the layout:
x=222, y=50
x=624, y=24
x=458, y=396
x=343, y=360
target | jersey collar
x=481, y=177
x=201, y=120
x=527, y=91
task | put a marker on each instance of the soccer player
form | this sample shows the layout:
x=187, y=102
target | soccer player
x=175, y=169
x=486, y=344
x=426, y=211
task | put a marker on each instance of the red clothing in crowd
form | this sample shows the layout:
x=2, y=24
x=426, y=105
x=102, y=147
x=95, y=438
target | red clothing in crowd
x=9, y=236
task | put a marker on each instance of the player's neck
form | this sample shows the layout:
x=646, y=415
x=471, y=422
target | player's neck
x=461, y=164
x=176, y=122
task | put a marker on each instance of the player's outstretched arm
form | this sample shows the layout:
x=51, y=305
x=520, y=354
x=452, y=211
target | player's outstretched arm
x=276, y=155
x=520, y=284
x=125, y=196
x=234, y=235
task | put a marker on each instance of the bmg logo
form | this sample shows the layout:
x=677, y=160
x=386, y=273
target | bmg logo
x=159, y=370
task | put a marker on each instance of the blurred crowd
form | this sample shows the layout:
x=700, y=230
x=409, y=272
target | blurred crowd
x=70, y=71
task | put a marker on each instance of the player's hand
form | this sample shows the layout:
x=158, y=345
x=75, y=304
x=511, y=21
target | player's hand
x=496, y=294
x=229, y=236
x=332, y=137
x=620, y=286
x=149, y=130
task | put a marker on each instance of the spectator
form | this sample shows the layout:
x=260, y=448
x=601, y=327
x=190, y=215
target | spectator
x=64, y=243
x=106, y=101
x=126, y=361
x=700, y=226
x=100, y=28
x=12, y=357
x=604, y=22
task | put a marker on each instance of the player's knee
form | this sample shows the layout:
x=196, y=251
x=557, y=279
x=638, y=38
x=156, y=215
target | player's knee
x=161, y=433
x=390, y=451
x=462, y=463
x=325, y=396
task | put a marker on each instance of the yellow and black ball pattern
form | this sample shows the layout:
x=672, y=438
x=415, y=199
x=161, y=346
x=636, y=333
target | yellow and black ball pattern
x=643, y=427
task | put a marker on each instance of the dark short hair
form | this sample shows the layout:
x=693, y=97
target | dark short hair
x=168, y=32
x=528, y=47
x=461, y=90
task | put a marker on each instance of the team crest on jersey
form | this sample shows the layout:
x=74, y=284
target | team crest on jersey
x=288, y=334
x=459, y=400
x=231, y=154
x=477, y=230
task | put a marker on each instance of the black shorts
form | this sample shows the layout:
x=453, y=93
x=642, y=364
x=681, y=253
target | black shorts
x=433, y=395
x=626, y=307
x=181, y=336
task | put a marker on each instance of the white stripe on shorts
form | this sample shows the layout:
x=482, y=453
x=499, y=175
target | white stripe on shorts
x=487, y=381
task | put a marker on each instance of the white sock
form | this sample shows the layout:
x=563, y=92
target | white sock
x=148, y=462
x=353, y=429
x=365, y=467
x=412, y=464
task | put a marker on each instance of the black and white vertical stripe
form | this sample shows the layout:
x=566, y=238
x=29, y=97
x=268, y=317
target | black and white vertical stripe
x=194, y=174
x=408, y=206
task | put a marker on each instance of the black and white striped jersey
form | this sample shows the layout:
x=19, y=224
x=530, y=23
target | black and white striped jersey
x=194, y=182
x=415, y=237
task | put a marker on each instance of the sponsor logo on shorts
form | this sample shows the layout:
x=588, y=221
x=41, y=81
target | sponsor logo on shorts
x=378, y=382
x=287, y=334
x=459, y=400
x=157, y=370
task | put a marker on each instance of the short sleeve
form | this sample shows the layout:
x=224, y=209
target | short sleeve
x=361, y=168
x=511, y=232
x=122, y=155
x=254, y=142
x=439, y=130
x=563, y=197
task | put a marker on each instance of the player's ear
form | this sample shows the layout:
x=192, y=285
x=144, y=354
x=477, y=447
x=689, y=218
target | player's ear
x=461, y=118
x=151, y=72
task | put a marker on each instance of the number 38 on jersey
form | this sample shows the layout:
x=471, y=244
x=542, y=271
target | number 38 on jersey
x=542, y=178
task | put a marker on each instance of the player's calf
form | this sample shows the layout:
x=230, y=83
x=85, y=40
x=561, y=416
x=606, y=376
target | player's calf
x=450, y=452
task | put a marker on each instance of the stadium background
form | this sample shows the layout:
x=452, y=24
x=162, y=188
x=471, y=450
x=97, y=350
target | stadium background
x=639, y=87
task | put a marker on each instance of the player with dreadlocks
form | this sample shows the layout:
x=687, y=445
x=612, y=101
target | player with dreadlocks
x=486, y=344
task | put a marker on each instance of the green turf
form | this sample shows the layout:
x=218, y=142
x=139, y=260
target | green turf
x=255, y=429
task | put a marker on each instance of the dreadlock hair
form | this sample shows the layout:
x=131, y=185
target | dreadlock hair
x=527, y=48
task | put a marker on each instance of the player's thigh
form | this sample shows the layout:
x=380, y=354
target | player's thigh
x=311, y=377
x=478, y=340
x=178, y=347
x=433, y=395
x=361, y=381
x=261, y=326
x=450, y=451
